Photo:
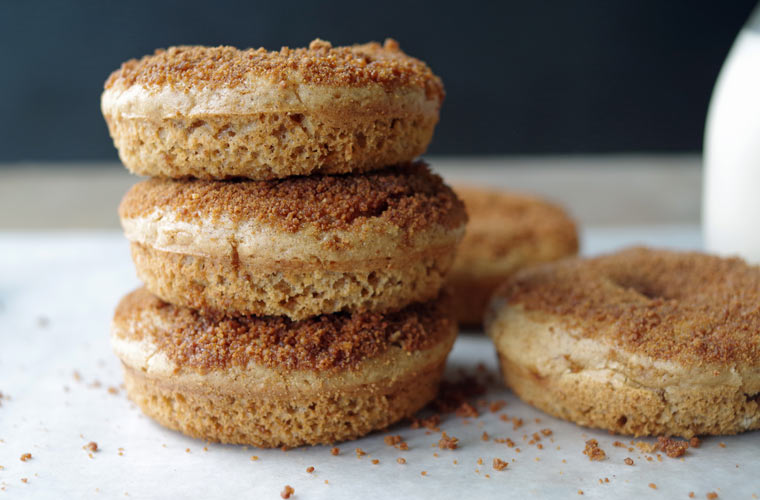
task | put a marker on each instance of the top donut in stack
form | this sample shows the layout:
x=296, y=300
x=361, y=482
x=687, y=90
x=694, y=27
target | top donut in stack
x=220, y=112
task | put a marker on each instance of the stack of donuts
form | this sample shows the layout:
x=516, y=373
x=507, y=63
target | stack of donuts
x=291, y=248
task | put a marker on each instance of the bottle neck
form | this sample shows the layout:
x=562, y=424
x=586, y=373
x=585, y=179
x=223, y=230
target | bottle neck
x=754, y=20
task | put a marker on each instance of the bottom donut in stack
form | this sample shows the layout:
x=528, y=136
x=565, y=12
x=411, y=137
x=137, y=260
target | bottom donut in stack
x=270, y=381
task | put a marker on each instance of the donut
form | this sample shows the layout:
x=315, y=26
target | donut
x=296, y=247
x=221, y=112
x=506, y=232
x=642, y=342
x=271, y=381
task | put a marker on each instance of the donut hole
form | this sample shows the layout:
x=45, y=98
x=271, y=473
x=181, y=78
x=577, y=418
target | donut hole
x=647, y=289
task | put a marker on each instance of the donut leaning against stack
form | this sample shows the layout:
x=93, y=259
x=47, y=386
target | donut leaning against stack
x=644, y=342
x=281, y=310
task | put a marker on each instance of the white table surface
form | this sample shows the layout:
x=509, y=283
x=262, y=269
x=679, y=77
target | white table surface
x=57, y=294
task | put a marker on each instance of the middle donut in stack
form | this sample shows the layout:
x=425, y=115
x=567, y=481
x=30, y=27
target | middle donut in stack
x=299, y=246
x=282, y=310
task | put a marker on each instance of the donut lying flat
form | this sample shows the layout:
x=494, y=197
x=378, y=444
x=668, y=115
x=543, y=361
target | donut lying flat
x=297, y=247
x=505, y=232
x=640, y=342
x=220, y=112
x=273, y=382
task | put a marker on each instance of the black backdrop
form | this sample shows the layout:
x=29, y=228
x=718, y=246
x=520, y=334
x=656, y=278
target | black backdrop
x=522, y=77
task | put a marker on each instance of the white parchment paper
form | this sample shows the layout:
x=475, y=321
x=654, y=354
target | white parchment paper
x=57, y=294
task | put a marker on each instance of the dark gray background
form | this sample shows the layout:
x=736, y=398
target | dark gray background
x=522, y=77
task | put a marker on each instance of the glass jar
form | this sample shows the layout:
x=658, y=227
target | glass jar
x=731, y=189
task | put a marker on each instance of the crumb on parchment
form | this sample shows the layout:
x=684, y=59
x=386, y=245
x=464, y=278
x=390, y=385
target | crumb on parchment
x=593, y=451
x=287, y=492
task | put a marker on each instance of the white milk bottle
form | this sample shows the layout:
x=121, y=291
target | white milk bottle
x=731, y=190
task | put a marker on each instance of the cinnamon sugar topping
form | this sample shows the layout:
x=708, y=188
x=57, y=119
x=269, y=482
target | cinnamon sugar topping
x=448, y=442
x=409, y=197
x=499, y=464
x=187, y=67
x=287, y=492
x=593, y=451
x=689, y=307
x=333, y=341
x=672, y=447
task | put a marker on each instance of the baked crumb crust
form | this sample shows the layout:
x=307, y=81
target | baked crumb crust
x=631, y=408
x=299, y=291
x=319, y=418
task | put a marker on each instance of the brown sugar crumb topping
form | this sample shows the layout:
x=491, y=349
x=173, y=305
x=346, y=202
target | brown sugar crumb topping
x=401, y=460
x=26, y=457
x=186, y=67
x=408, y=196
x=334, y=341
x=466, y=410
x=397, y=442
x=653, y=486
x=392, y=440
x=496, y=406
x=91, y=446
x=689, y=307
x=287, y=492
x=431, y=423
x=310, y=469
x=646, y=447
x=628, y=461
x=448, y=442
x=672, y=447
x=499, y=464
x=593, y=451
x=695, y=442
x=335, y=451
x=712, y=495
